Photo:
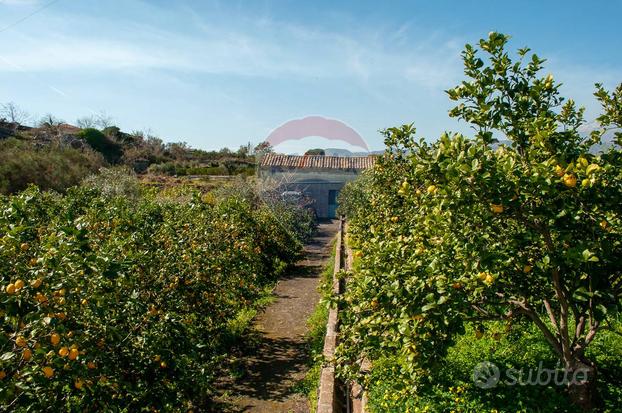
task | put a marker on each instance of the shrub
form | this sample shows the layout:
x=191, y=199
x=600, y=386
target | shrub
x=118, y=304
x=54, y=166
x=111, y=150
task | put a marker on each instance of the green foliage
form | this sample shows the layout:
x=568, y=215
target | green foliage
x=462, y=229
x=212, y=169
x=316, y=152
x=53, y=166
x=113, y=182
x=111, y=150
x=518, y=347
x=145, y=290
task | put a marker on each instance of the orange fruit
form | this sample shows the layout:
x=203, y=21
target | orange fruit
x=496, y=208
x=2, y=374
x=36, y=283
x=48, y=371
x=24, y=247
x=55, y=339
x=73, y=354
x=20, y=341
x=27, y=354
x=91, y=365
x=63, y=351
x=527, y=269
x=10, y=289
x=78, y=384
x=19, y=284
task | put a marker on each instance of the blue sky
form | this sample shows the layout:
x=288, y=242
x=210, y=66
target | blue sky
x=223, y=73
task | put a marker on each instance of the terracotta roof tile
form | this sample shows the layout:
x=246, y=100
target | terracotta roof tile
x=318, y=162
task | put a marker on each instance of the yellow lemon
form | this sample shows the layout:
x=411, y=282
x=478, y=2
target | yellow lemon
x=10, y=289
x=570, y=180
x=73, y=354
x=55, y=339
x=24, y=247
x=63, y=351
x=36, y=283
x=27, y=354
x=432, y=189
x=489, y=279
x=559, y=171
x=19, y=284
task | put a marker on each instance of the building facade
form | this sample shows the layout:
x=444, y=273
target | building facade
x=319, y=178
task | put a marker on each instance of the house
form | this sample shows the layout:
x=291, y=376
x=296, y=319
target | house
x=314, y=176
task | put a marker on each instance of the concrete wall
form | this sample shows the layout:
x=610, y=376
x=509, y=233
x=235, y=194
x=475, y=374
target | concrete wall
x=314, y=183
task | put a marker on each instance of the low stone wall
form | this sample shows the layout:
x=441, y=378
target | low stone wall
x=331, y=394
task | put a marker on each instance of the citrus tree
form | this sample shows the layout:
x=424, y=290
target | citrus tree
x=112, y=302
x=519, y=223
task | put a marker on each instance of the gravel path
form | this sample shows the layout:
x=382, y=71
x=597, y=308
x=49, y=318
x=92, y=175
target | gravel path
x=278, y=362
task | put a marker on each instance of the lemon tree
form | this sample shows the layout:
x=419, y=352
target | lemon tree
x=520, y=223
x=111, y=303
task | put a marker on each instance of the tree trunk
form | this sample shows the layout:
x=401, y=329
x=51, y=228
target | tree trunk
x=582, y=384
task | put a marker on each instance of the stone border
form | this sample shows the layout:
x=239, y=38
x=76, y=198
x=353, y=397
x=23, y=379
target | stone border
x=329, y=392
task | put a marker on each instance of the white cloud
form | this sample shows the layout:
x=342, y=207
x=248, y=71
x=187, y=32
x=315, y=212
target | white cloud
x=245, y=47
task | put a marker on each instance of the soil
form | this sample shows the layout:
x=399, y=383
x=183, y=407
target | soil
x=278, y=358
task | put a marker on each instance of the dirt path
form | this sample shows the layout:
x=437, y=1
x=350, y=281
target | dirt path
x=279, y=359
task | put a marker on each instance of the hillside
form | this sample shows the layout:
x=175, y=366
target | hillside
x=57, y=155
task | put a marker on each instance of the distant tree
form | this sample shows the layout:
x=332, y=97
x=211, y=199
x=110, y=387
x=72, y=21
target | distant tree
x=86, y=122
x=264, y=148
x=245, y=150
x=50, y=121
x=13, y=113
x=178, y=150
x=317, y=152
x=99, y=121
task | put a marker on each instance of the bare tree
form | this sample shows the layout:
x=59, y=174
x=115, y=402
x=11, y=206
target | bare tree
x=103, y=121
x=50, y=121
x=86, y=122
x=13, y=113
x=99, y=121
